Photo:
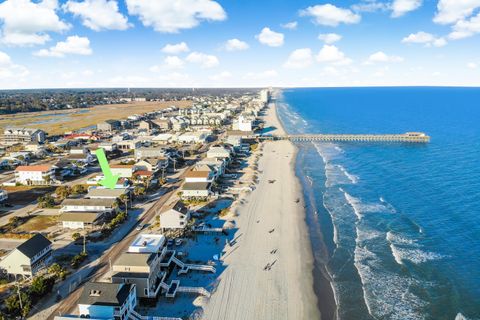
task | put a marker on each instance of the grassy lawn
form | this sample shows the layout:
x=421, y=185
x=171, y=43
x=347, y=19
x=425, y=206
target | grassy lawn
x=37, y=223
x=23, y=195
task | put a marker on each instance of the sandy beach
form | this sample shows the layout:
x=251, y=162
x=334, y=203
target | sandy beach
x=271, y=232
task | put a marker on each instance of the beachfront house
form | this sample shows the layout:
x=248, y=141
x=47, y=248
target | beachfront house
x=35, y=175
x=219, y=152
x=106, y=301
x=141, y=265
x=174, y=216
x=196, y=190
x=200, y=173
x=29, y=258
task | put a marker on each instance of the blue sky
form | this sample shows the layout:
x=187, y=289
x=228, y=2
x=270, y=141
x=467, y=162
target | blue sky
x=232, y=43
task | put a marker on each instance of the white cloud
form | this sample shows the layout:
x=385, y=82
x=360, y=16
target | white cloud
x=176, y=48
x=290, y=25
x=451, y=11
x=270, y=38
x=472, y=65
x=370, y=6
x=329, y=38
x=465, y=28
x=204, y=60
x=425, y=38
x=299, y=59
x=382, y=57
x=173, y=16
x=26, y=23
x=262, y=75
x=331, y=54
x=236, y=45
x=73, y=45
x=401, y=7
x=98, y=14
x=461, y=15
x=330, y=15
x=221, y=76
x=170, y=62
x=10, y=70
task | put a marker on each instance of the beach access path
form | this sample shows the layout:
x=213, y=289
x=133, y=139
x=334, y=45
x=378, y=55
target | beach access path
x=272, y=235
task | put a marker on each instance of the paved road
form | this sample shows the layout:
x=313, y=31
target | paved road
x=68, y=305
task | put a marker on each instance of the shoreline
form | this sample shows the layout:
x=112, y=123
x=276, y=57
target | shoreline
x=322, y=284
x=268, y=270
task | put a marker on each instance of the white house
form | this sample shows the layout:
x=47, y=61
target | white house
x=243, y=124
x=174, y=216
x=34, y=175
x=105, y=193
x=219, y=152
x=155, y=152
x=152, y=164
x=196, y=190
x=103, y=300
x=218, y=165
x=88, y=205
x=28, y=258
x=81, y=220
x=194, y=137
x=124, y=171
x=200, y=173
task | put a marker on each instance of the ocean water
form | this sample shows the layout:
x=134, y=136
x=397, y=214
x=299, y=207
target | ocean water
x=397, y=225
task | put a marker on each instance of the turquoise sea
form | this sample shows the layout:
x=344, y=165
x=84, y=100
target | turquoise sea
x=397, y=226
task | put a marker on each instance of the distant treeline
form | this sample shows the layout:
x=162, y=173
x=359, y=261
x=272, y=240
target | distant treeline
x=14, y=101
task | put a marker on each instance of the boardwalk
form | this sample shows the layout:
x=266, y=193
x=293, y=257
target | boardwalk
x=410, y=137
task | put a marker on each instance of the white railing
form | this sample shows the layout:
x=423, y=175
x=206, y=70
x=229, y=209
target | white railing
x=199, y=290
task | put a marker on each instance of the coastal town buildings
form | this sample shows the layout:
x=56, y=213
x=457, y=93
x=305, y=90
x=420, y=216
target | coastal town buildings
x=12, y=135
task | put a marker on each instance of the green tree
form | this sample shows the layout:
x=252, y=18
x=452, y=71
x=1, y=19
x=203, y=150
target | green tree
x=62, y=192
x=14, y=307
x=76, y=236
x=79, y=189
x=124, y=199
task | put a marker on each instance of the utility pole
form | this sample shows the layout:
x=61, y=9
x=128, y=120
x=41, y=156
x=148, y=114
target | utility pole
x=84, y=245
x=19, y=294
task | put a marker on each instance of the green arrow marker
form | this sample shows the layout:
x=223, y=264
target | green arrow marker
x=109, y=180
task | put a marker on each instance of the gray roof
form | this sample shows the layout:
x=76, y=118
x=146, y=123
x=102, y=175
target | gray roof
x=87, y=217
x=112, y=193
x=89, y=202
x=34, y=245
x=177, y=206
x=137, y=275
x=196, y=186
x=104, y=293
x=134, y=259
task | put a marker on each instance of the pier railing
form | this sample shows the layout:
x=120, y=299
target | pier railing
x=411, y=137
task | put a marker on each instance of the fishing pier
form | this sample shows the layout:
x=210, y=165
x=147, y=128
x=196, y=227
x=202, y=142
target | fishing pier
x=409, y=137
